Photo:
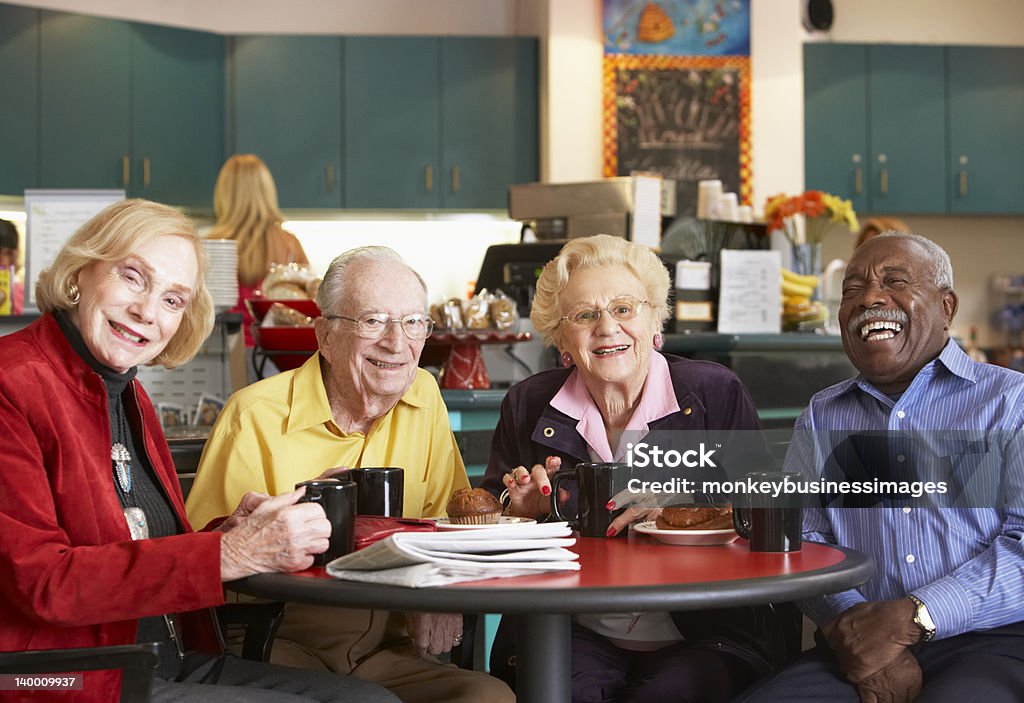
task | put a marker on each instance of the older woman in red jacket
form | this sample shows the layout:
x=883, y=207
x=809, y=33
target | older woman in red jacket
x=96, y=548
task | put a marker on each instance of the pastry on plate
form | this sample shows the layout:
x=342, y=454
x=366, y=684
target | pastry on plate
x=696, y=517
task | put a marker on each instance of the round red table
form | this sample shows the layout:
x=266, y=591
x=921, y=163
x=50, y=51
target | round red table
x=616, y=575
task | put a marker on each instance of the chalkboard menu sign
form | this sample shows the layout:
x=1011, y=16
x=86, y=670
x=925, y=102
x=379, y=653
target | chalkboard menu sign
x=684, y=118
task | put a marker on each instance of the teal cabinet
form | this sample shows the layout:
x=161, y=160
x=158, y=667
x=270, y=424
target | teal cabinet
x=177, y=107
x=907, y=121
x=392, y=122
x=875, y=125
x=439, y=123
x=130, y=106
x=284, y=105
x=489, y=116
x=19, y=118
x=986, y=130
x=916, y=129
x=836, y=121
x=85, y=118
x=356, y=122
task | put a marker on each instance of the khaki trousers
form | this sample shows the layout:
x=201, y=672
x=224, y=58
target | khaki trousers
x=372, y=645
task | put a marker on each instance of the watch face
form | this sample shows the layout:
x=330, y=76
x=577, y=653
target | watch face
x=923, y=619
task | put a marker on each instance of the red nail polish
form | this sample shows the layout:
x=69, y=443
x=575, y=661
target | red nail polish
x=610, y=505
x=610, y=532
x=546, y=490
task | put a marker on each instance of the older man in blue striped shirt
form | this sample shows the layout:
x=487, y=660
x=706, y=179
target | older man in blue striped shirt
x=941, y=618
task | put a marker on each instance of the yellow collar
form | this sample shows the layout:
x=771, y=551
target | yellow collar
x=308, y=402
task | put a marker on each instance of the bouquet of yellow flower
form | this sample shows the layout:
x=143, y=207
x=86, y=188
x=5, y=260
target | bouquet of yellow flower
x=805, y=218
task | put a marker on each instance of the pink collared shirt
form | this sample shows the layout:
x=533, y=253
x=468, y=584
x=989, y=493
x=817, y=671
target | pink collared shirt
x=656, y=401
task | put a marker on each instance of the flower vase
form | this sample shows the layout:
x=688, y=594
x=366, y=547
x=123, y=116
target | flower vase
x=807, y=262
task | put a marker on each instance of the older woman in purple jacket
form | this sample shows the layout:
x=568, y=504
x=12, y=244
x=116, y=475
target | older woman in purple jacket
x=602, y=302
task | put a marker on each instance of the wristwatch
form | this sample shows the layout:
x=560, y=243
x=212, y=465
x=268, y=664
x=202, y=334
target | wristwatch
x=922, y=619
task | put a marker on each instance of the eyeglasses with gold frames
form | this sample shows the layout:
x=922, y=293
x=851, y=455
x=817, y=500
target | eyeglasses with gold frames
x=373, y=325
x=620, y=309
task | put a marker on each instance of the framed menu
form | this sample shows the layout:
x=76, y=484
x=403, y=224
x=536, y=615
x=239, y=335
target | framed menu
x=51, y=217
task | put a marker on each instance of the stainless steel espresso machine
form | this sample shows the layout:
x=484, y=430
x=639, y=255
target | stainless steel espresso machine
x=569, y=210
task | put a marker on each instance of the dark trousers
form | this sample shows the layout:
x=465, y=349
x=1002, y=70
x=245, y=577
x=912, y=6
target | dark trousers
x=687, y=672
x=234, y=680
x=986, y=666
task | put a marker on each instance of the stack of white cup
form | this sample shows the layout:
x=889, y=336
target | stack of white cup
x=708, y=193
x=713, y=204
x=726, y=208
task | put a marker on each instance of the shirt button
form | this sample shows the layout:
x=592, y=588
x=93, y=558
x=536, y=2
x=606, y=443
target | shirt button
x=910, y=558
x=900, y=414
x=900, y=458
x=907, y=510
x=687, y=411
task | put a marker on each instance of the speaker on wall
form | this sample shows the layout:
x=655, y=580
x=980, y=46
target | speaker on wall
x=817, y=15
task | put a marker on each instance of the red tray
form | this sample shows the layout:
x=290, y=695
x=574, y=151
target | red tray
x=259, y=307
x=287, y=347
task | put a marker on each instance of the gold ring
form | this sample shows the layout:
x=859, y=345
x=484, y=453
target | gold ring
x=457, y=641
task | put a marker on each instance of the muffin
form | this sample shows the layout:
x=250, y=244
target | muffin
x=473, y=506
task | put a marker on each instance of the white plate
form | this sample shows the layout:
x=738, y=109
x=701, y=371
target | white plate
x=503, y=521
x=687, y=538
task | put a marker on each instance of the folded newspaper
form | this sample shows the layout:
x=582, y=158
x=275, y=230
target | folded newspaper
x=424, y=559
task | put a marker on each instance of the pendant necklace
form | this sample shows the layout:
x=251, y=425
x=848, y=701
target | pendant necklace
x=122, y=468
x=135, y=516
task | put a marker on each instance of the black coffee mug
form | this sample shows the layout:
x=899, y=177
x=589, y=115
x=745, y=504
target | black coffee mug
x=381, y=490
x=770, y=523
x=338, y=499
x=598, y=483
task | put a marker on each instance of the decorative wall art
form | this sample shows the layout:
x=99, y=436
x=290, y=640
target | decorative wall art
x=677, y=93
x=677, y=27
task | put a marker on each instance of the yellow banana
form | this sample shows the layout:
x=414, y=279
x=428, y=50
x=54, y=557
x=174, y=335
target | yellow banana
x=793, y=289
x=801, y=280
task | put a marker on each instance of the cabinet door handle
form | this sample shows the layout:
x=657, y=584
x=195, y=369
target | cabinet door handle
x=963, y=183
x=455, y=179
x=883, y=181
x=145, y=171
x=858, y=180
x=428, y=178
x=329, y=177
x=126, y=170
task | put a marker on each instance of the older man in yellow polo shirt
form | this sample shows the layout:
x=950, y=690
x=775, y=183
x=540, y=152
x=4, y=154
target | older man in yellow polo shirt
x=361, y=401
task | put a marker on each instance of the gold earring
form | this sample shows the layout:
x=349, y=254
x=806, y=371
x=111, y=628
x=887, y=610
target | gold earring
x=73, y=293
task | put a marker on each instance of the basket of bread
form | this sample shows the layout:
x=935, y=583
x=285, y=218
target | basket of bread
x=284, y=315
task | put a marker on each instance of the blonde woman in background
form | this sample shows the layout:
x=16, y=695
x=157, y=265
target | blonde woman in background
x=245, y=203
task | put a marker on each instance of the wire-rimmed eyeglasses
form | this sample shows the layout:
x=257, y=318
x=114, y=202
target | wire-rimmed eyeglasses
x=373, y=325
x=620, y=309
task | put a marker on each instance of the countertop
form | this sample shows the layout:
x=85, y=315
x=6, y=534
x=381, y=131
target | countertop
x=682, y=343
